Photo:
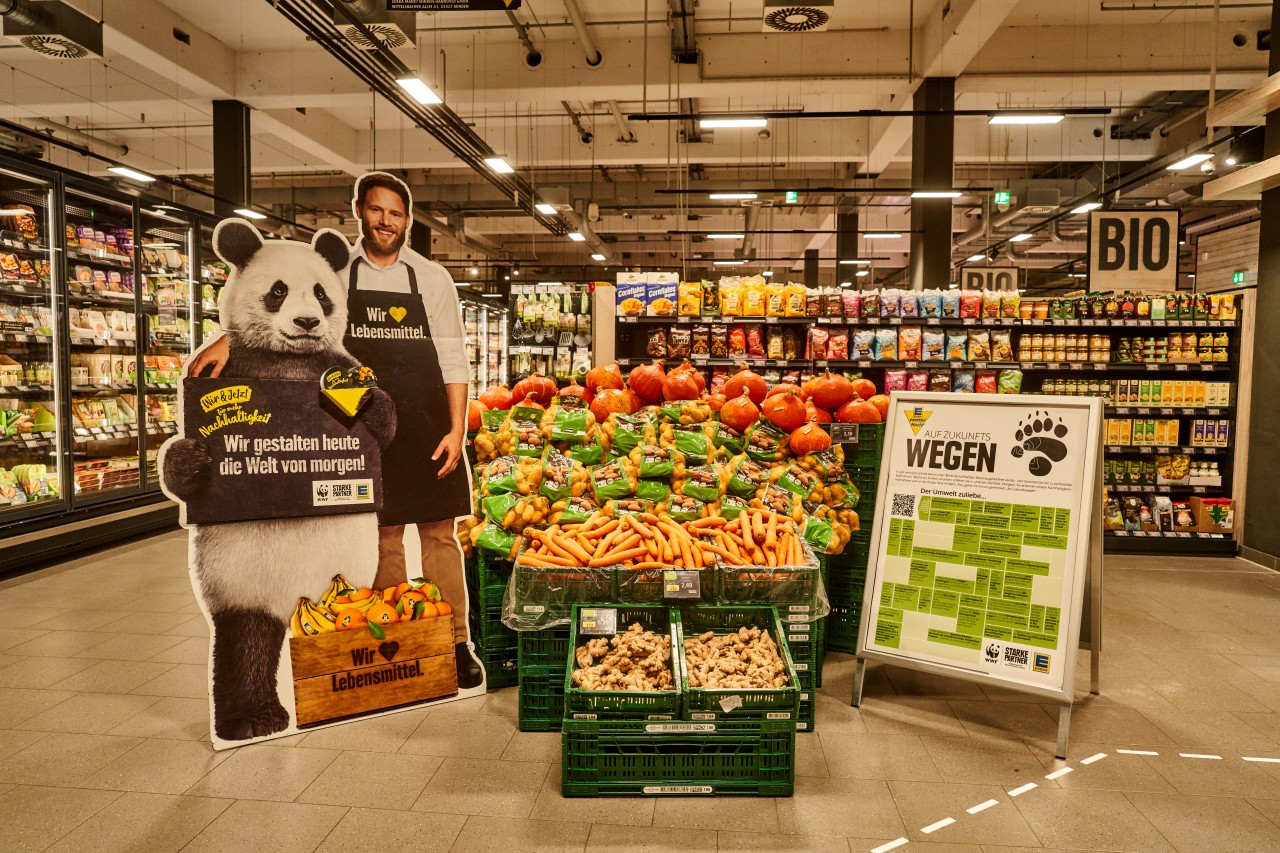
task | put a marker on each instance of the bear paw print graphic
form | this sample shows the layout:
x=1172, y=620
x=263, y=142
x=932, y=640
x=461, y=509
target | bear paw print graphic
x=1039, y=438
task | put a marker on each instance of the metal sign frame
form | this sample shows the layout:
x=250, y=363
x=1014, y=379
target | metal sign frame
x=1086, y=568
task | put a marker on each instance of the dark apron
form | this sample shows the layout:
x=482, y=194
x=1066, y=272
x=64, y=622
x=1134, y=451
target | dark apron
x=408, y=369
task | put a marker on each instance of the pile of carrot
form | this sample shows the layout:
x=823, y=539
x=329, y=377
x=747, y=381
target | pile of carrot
x=648, y=541
x=755, y=538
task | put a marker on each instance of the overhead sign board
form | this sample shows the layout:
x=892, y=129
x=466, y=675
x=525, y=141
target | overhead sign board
x=451, y=5
x=980, y=549
x=1133, y=250
x=989, y=278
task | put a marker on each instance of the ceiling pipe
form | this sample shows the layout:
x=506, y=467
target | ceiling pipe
x=20, y=12
x=625, y=134
x=1215, y=223
x=93, y=143
x=362, y=8
x=532, y=56
x=986, y=227
x=589, y=50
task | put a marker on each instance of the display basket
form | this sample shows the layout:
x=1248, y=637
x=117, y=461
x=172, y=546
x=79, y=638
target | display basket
x=609, y=758
x=560, y=588
x=770, y=703
x=541, y=698
x=842, y=628
x=866, y=453
x=648, y=586
x=591, y=704
x=770, y=584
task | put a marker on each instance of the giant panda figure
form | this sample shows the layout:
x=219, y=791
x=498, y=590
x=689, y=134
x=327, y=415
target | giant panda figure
x=284, y=309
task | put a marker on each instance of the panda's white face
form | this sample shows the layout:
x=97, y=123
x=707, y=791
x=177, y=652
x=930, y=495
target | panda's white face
x=286, y=299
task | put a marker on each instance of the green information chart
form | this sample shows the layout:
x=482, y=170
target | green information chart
x=981, y=538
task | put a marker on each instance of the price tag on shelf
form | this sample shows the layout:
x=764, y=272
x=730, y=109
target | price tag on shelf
x=980, y=365
x=771, y=320
x=1151, y=368
x=864, y=362
x=1162, y=411
x=1052, y=365
x=1208, y=367
x=1146, y=411
x=1213, y=411
x=820, y=364
x=684, y=319
x=681, y=584
x=932, y=321
x=969, y=321
x=1178, y=367
x=895, y=321
x=1146, y=450
x=844, y=433
x=700, y=359
x=626, y=319
x=871, y=321
x=824, y=321
x=95, y=430
x=598, y=621
x=910, y=364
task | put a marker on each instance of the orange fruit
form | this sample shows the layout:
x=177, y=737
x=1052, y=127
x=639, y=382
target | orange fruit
x=382, y=614
x=407, y=601
x=342, y=599
x=429, y=609
x=401, y=589
x=349, y=618
x=389, y=595
x=361, y=594
x=443, y=608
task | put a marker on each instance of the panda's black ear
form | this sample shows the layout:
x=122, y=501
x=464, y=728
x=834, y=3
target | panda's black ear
x=236, y=242
x=333, y=247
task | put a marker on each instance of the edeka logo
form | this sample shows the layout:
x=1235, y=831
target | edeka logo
x=337, y=492
x=916, y=417
x=993, y=652
x=1041, y=663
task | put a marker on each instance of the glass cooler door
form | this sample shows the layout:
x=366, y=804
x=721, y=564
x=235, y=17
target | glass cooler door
x=169, y=300
x=213, y=275
x=103, y=313
x=30, y=400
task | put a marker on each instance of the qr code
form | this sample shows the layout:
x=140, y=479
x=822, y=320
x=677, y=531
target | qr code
x=904, y=506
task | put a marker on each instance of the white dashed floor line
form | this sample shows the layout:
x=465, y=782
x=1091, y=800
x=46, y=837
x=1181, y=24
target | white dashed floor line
x=1019, y=791
x=934, y=827
x=1200, y=755
x=892, y=845
x=1060, y=772
x=1136, y=752
x=1093, y=758
x=982, y=807
x=1264, y=760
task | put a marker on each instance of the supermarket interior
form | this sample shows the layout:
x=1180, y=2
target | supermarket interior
x=783, y=426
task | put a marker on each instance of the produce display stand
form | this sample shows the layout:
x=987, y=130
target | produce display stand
x=496, y=644
x=847, y=572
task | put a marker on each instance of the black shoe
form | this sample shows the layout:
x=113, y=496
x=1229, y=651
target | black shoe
x=469, y=672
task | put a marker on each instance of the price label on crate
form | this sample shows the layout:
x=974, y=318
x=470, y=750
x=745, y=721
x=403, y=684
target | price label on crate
x=598, y=620
x=681, y=584
x=844, y=433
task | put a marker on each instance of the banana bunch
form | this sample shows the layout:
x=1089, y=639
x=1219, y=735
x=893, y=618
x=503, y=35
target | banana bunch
x=338, y=586
x=310, y=620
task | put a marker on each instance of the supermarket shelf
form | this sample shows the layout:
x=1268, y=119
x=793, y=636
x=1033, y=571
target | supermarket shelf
x=38, y=442
x=103, y=433
x=162, y=388
x=1161, y=449
x=1140, y=541
x=97, y=299
x=1156, y=490
x=12, y=289
x=25, y=390
x=104, y=343
x=21, y=247
x=868, y=364
x=1166, y=411
x=977, y=322
x=122, y=263
x=25, y=338
x=106, y=386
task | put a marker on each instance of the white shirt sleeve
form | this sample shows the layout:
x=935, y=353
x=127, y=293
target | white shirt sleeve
x=444, y=311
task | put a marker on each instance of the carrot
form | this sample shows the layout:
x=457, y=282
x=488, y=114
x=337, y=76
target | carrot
x=607, y=527
x=546, y=562
x=648, y=564
x=618, y=557
x=757, y=527
x=716, y=549
x=651, y=545
x=572, y=546
x=771, y=533
x=712, y=521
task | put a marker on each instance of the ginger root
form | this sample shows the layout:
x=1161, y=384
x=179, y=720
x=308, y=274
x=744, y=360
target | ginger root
x=637, y=660
x=744, y=659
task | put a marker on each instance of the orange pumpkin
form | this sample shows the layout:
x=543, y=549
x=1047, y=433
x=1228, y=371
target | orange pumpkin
x=605, y=376
x=609, y=401
x=881, y=402
x=474, y=410
x=809, y=438
x=785, y=411
x=748, y=379
x=831, y=390
x=497, y=397
x=646, y=381
x=536, y=387
x=858, y=411
x=740, y=412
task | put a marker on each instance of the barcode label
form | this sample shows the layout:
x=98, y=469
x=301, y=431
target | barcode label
x=678, y=789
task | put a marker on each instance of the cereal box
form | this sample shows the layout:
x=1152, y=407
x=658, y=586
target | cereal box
x=631, y=294
x=661, y=289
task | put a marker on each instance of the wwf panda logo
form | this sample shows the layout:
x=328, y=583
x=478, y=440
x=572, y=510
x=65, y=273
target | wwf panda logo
x=993, y=652
x=322, y=491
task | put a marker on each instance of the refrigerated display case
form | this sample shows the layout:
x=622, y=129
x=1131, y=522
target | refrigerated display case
x=485, y=326
x=169, y=315
x=30, y=364
x=551, y=330
x=103, y=320
x=213, y=275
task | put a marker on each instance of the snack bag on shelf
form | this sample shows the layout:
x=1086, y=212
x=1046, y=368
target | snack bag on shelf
x=690, y=299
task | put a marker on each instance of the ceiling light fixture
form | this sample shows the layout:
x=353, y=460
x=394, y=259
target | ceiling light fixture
x=936, y=194
x=596, y=256
x=1078, y=275
x=1087, y=206
x=881, y=235
x=1188, y=162
x=474, y=271
x=846, y=284
x=543, y=207
x=857, y=262
x=724, y=236
x=419, y=91
x=712, y=123
x=767, y=273
x=1025, y=118
x=976, y=258
x=1018, y=238
x=577, y=237
x=727, y=263
x=131, y=174
x=249, y=214
x=861, y=273
x=497, y=164
x=731, y=196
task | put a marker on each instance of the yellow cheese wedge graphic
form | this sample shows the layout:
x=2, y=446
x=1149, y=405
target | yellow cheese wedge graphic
x=346, y=399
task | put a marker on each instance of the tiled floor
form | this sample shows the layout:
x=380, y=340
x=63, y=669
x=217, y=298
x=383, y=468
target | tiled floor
x=104, y=743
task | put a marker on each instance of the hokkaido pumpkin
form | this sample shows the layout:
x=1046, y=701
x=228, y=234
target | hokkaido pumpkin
x=605, y=376
x=536, y=387
x=715, y=401
x=497, y=397
x=809, y=438
x=785, y=411
x=785, y=388
x=864, y=388
x=739, y=412
x=609, y=401
x=680, y=384
x=750, y=380
x=858, y=411
x=881, y=402
x=812, y=412
x=578, y=391
x=474, y=410
x=646, y=381
x=831, y=390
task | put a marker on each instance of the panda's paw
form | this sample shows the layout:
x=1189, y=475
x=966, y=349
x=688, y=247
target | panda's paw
x=266, y=721
x=186, y=466
x=379, y=416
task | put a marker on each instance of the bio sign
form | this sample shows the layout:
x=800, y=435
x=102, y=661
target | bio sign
x=1133, y=250
x=989, y=278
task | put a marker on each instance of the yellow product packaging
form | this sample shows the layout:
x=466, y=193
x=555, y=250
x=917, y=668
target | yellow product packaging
x=775, y=299
x=753, y=296
x=794, y=295
x=731, y=296
x=690, y=299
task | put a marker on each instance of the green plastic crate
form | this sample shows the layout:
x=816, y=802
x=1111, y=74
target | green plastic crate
x=805, y=643
x=842, y=628
x=626, y=703
x=500, y=665
x=548, y=648
x=601, y=759
x=541, y=697
x=763, y=585
x=703, y=703
x=805, y=720
x=870, y=447
x=558, y=589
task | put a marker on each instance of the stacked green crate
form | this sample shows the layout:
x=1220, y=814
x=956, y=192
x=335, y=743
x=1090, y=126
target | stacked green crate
x=543, y=656
x=748, y=751
x=847, y=572
x=495, y=643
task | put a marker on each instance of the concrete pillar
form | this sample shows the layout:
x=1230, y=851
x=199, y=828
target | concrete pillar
x=932, y=167
x=232, y=173
x=1262, y=491
x=811, y=267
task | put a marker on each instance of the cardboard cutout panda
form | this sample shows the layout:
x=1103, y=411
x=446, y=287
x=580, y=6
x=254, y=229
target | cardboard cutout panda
x=284, y=309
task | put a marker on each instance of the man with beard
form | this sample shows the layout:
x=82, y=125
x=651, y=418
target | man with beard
x=404, y=322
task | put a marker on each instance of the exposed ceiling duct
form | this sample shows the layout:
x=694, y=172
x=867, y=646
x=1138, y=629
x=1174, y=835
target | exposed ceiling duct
x=377, y=28
x=811, y=17
x=51, y=28
x=590, y=52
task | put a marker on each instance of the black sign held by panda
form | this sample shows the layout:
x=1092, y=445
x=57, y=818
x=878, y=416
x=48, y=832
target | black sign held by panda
x=277, y=450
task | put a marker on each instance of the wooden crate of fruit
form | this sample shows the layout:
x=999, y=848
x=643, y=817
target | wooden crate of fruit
x=348, y=673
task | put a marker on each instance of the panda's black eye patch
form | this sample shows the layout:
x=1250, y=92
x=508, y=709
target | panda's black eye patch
x=275, y=296
x=326, y=304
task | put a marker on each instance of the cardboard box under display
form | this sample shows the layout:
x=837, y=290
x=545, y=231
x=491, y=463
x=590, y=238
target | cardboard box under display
x=347, y=673
x=1214, y=515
